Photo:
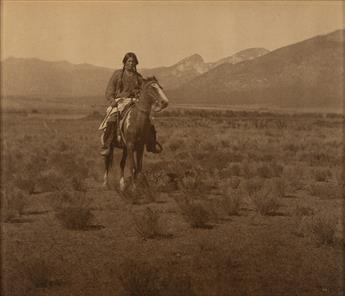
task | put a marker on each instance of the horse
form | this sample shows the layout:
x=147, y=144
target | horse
x=136, y=128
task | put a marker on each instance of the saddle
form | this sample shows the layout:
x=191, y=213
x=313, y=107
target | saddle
x=112, y=112
x=152, y=144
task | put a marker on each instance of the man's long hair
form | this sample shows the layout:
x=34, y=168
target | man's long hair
x=124, y=60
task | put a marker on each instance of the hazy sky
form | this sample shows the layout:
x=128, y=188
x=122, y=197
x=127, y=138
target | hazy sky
x=160, y=33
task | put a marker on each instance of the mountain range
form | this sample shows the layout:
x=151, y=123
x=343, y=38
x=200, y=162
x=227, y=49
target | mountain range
x=191, y=67
x=34, y=77
x=307, y=74
x=302, y=75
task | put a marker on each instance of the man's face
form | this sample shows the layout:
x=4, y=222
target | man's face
x=130, y=64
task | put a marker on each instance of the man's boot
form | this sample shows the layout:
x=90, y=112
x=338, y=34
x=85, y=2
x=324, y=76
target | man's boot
x=108, y=138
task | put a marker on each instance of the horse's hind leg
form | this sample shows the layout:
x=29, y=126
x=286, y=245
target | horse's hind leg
x=122, y=166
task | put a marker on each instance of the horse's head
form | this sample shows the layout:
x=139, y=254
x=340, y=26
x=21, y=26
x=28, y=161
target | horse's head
x=153, y=92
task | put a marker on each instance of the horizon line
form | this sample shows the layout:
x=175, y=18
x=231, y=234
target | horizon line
x=148, y=68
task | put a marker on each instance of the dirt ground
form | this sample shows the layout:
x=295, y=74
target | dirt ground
x=238, y=203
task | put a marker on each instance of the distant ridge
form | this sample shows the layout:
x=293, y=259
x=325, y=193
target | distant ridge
x=35, y=77
x=243, y=55
x=190, y=67
x=303, y=75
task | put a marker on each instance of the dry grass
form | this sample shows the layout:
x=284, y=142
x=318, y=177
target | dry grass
x=202, y=151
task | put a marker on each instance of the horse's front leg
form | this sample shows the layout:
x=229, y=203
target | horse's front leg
x=139, y=156
x=122, y=166
x=107, y=164
x=131, y=162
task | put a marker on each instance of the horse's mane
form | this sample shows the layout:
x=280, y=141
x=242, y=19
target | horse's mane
x=151, y=79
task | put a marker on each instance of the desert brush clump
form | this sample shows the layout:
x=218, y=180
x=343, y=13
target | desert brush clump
x=254, y=185
x=75, y=218
x=232, y=199
x=149, y=224
x=160, y=179
x=73, y=210
x=265, y=199
x=322, y=174
x=195, y=180
x=323, y=228
x=162, y=278
x=279, y=186
x=234, y=182
x=52, y=180
x=194, y=213
x=43, y=273
x=264, y=171
x=67, y=175
x=302, y=215
x=176, y=144
x=139, y=278
x=294, y=178
x=28, y=175
x=248, y=170
x=301, y=211
x=69, y=164
x=13, y=203
x=325, y=190
x=29, y=275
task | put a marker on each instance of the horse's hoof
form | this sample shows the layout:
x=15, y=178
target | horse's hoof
x=134, y=187
x=122, y=184
x=105, y=185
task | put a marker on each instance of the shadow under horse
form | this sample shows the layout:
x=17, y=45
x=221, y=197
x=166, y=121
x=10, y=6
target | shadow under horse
x=136, y=130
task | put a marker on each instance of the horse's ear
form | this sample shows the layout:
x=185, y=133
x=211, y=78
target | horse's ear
x=151, y=78
x=156, y=80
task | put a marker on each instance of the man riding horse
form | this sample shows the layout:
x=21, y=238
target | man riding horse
x=123, y=88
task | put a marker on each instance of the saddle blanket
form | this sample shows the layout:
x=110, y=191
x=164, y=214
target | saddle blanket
x=112, y=112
